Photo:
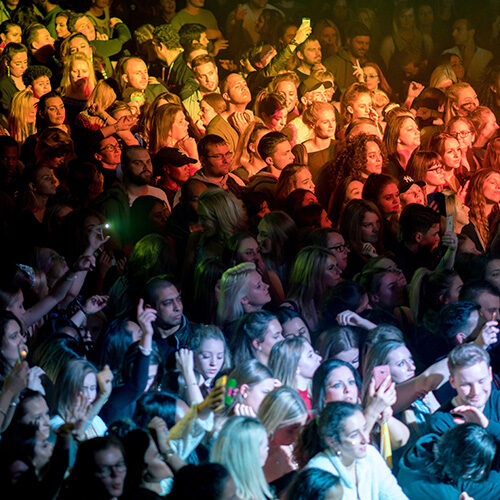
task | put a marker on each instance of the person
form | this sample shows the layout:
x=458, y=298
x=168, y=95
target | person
x=486, y=125
x=344, y=64
x=314, y=483
x=426, y=167
x=375, y=79
x=22, y=116
x=428, y=466
x=349, y=456
x=291, y=178
x=15, y=62
x=243, y=440
x=194, y=13
x=356, y=102
x=309, y=55
x=272, y=110
x=275, y=149
x=461, y=99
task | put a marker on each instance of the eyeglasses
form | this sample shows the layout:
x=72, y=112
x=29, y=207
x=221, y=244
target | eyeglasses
x=111, y=147
x=339, y=248
x=462, y=134
x=106, y=470
x=436, y=168
x=226, y=156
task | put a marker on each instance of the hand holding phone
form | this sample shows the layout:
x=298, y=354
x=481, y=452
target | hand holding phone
x=380, y=374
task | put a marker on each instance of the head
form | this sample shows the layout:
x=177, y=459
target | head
x=205, y=73
x=234, y=90
x=164, y=296
x=426, y=166
x=286, y=84
x=358, y=40
x=309, y=52
x=15, y=59
x=315, y=483
x=134, y=74
x=215, y=155
x=272, y=109
x=320, y=117
x=341, y=343
x=37, y=79
x=293, y=324
x=458, y=321
x=356, y=102
x=419, y=225
x=137, y=166
x=485, y=294
x=402, y=132
x=275, y=149
x=463, y=130
x=383, y=190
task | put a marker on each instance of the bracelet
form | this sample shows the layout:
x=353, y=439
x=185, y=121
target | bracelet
x=13, y=404
x=191, y=384
x=115, y=126
x=294, y=43
x=145, y=351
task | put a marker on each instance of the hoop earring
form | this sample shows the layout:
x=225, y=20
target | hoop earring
x=8, y=71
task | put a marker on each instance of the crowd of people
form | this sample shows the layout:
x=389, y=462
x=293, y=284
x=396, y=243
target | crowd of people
x=250, y=251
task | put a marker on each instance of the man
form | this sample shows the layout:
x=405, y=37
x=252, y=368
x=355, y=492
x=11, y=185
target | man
x=41, y=48
x=235, y=91
x=108, y=153
x=485, y=295
x=471, y=376
x=171, y=328
x=37, y=79
x=135, y=76
x=7, y=9
x=275, y=149
x=309, y=55
x=207, y=77
x=194, y=13
x=215, y=158
x=98, y=13
x=475, y=59
x=115, y=203
x=171, y=67
x=50, y=8
x=344, y=64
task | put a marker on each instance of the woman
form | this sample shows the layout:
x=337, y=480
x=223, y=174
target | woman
x=382, y=190
x=314, y=272
x=482, y=198
x=77, y=391
x=241, y=291
x=22, y=116
x=283, y=414
x=348, y=455
x=272, y=110
x=293, y=362
x=94, y=115
x=14, y=62
x=77, y=83
x=356, y=102
x=246, y=157
x=293, y=324
x=340, y=343
x=374, y=79
x=12, y=342
x=485, y=123
x=32, y=409
x=314, y=483
x=361, y=227
x=449, y=150
x=456, y=207
x=463, y=130
x=349, y=189
x=242, y=447
x=332, y=240
x=293, y=177
x=169, y=128
x=401, y=138
x=427, y=166
x=51, y=112
x=256, y=335
x=320, y=118
x=442, y=77
x=461, y=100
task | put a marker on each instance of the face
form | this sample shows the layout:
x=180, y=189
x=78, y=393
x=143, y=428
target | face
x=332, y=274
x=258, y=292
x=46, y=183
x=140, y=168
x=9, y=159
x=85, y=27
x=206, y=75
x=361, y=107
x=409, y=135
x=490, y=305
x=179, y=127
x=89, y=388
x=169, y=307
x=458, y=67
x=80, y=45
x=413, y=195
x=158, y=215
x=43, y=453
x=435, y=175
x=464, y=135
x=277, y=121
x=210, y=358
x=289, y=434
x=401, y=363
x=467, y=101
x=473, y=384
x=391, y=292
x=248, y=250
x=18, y=64
x=36, y=412
x=62, y=27
x=359, y=46
x=374, y=158
x=13, y=35
x=336, y=244
x=218, y=160
x=354, y=438
x=388, y=200
x=157, y=469
x=152, y=373
x=328, y=37
x=461, y=33
x=354, y=191
x=273, y=335
x=370, y=228
x=303, y=180
x=55, y=111
x=43, y=40
x=289, y=91
x=136, y=74
x=110, y=469
x=431, y=238
x=79, y=73
x=110, y=151
x=326, y=124
x=491, y=188
x=41, y=86
x=255, y=394
x=350, y=356
x=462, y=211
x=451, y=155
x=207, y=113
x=238, y=91
x=282, y=155
x=492, y=272
x=295, y=328
x=312, y=53
x=341, y=386
x=308, y=362
x=12, y=342
x=179, y=174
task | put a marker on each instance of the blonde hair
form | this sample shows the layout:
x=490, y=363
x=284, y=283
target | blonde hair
x=237, y=447
x=280, y=408
x=233, y=287
x=104, y=95
x=452, y=94
x=66, y=77
x=161, y=125
x=313, y=112
x=440, y=74
x=284, y=359
x=19, y=110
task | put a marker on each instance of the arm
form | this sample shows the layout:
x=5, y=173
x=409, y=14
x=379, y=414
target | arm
x=400, y=434
x=108, y=48
x=447, y=261
x=184, y=358
x=16, y=381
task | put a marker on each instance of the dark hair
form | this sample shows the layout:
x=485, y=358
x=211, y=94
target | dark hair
x=267, y=144
x=156, y=404
x=189, y=33
x=153, y=285
x=34, y=72
x=167, y=35
x=309, y=216
x=312, y=483
x=472, y=289
x=330, y=425
x=454, y=318
x=6, y=317
x=374, y=185
x=346, y=295
x=320, y=380
x=195, y=482
x=335, y=340
x=135, y=444
x=464, y=452
x=208, y=140
x=25, y=397
x=415, y=219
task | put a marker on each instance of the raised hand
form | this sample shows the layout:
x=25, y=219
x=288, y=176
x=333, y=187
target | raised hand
x=95, y=304
x=146, y=316
x=470, y=414
x=105, y=381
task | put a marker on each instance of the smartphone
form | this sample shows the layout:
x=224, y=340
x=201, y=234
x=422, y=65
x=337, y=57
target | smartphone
x=449, y=224
x=380, y=373
x=21, y=353
x=306, y=20
x=221, y=382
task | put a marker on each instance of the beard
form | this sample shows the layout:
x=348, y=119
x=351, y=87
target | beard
x=142, y=179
